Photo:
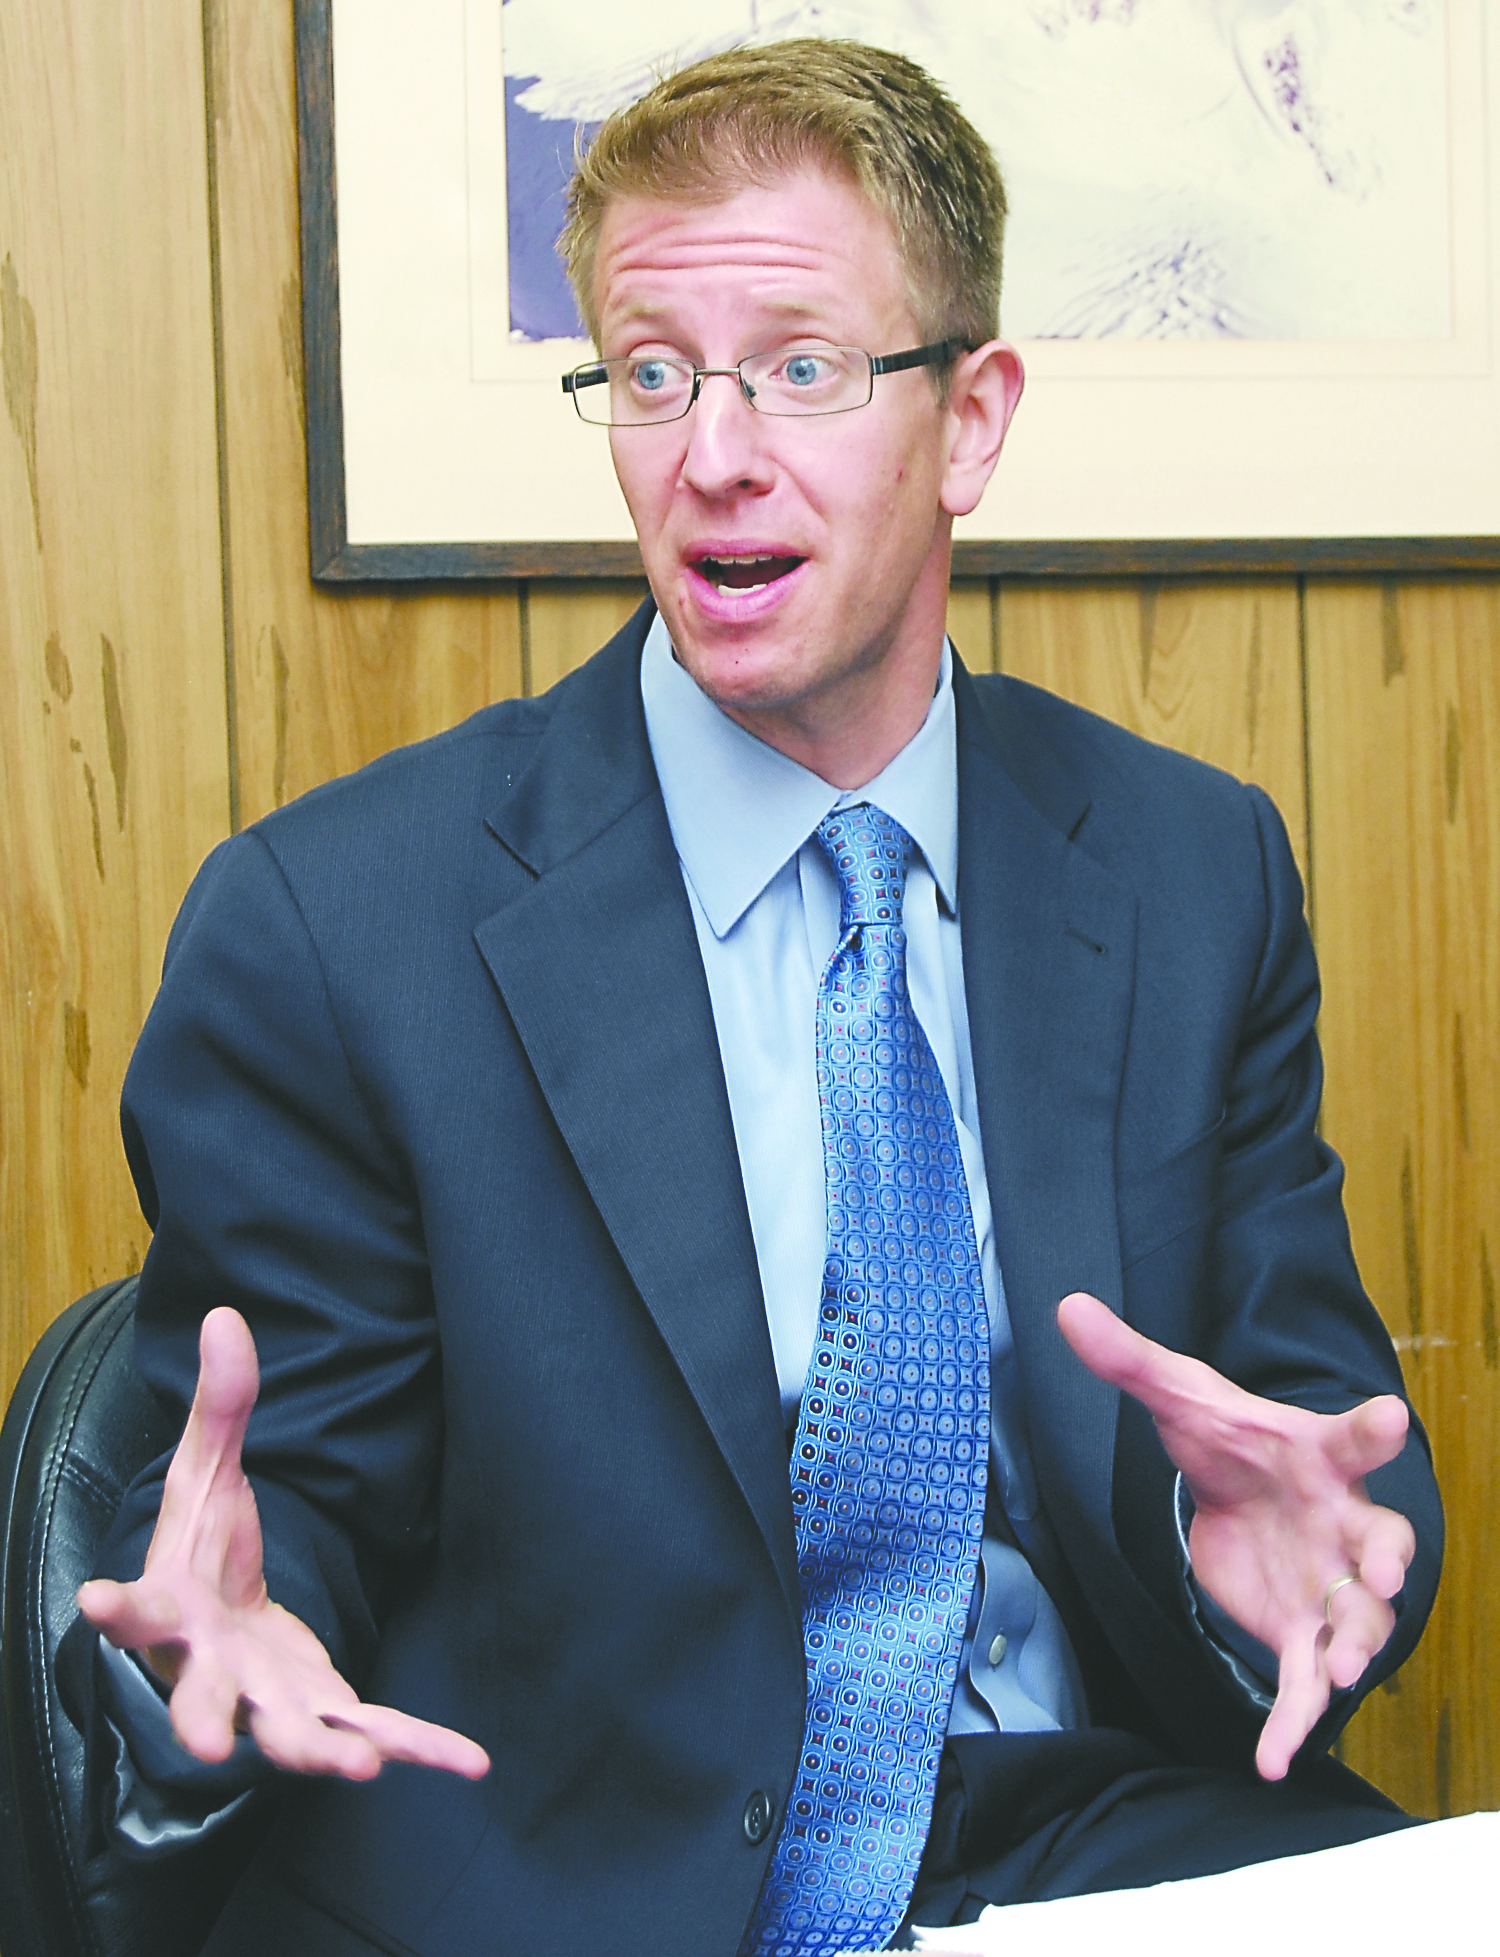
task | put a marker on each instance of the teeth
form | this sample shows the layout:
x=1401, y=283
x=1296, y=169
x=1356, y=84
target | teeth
x=715, y=567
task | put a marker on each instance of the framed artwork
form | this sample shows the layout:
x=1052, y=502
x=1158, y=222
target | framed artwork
x=1252, y=265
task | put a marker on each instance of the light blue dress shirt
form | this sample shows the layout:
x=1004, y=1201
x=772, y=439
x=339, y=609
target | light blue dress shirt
x=765, y=902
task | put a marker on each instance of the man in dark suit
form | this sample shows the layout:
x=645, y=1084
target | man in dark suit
x=494, y=1088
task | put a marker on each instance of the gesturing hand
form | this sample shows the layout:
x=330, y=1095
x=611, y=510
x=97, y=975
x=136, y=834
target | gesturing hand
x=200, y=1613
x=1282, y=1514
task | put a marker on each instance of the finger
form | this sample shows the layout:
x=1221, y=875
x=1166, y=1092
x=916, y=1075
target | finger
x=1381, y=1550
x=1301, y=1697
x=1367, y=1436
x=130, y=1615
x=399, y=1736
x=1361, y=1623
x=286, y=1689
x=299, y=1742
x=353, y=1740
x=203, y=1706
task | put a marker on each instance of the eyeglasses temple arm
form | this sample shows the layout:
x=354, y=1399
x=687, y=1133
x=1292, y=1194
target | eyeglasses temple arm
x=929, y=356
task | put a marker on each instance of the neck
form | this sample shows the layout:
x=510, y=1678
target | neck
x=848, y=742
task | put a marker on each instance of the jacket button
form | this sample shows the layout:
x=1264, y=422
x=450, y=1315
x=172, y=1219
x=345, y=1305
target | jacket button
x=758, y=1812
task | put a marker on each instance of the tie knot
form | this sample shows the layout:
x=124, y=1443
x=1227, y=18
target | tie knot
x=870, y=853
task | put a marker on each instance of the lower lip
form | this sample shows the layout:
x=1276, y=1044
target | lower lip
x=740, y=606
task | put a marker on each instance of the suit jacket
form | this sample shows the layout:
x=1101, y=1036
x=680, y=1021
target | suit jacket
x=431, y=1093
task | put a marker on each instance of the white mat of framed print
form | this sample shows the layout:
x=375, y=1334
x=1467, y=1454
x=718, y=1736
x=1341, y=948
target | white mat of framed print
x=1253, y=266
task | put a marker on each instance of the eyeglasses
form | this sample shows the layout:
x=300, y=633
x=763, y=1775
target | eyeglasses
x=796, y=380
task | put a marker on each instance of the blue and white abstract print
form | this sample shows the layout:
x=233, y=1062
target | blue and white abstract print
x=1234, y=169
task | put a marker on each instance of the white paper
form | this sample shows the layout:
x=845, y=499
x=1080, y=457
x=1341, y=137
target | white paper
x=1432, y=1887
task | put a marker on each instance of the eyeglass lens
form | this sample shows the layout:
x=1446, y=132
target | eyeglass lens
x=785, y=381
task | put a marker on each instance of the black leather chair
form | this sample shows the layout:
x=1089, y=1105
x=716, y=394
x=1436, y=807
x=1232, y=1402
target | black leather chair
x=81, y=1424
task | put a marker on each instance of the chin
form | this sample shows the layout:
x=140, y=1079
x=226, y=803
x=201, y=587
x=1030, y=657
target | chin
x=725, y=669
x=744, y=687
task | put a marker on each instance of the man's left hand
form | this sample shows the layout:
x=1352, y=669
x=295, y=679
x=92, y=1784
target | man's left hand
x=1282, y=1515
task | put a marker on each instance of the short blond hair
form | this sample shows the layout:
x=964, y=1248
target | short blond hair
x=751, y=114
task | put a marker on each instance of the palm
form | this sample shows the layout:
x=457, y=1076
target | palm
x=1281, y=1514
x=201, y=1614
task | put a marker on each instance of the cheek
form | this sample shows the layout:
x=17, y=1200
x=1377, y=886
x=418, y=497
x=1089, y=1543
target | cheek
x=871, y=490
x=900, y=473
x=646, y=477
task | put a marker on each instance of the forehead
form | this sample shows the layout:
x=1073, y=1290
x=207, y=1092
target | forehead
x=809, y=246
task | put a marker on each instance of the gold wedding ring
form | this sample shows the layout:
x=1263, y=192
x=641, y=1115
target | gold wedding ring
x=1331, y=1592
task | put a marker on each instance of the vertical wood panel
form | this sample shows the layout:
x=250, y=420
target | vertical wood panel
x=321, y=682
x=1404, y=725
x=971, y=622
x=1212, y=670
x=113, y=769
x=566, y=623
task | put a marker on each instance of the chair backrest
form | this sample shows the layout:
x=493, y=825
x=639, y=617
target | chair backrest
x=80, y=1426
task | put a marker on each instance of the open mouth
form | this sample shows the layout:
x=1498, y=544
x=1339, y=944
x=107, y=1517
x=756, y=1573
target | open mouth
x=746, y=572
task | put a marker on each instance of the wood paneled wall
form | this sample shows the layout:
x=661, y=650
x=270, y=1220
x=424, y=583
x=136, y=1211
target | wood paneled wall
x=114, y=772
x=167, y=672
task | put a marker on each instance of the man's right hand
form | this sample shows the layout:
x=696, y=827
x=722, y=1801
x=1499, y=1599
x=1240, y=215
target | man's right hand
x=200, y=1615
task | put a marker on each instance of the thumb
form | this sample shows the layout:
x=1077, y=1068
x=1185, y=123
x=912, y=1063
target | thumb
x=228, y=1382
x=228, y=1374
x=1106, y=1344
x=208, y=1455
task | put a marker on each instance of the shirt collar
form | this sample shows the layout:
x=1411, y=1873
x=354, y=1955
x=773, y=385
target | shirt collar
x=740, y=810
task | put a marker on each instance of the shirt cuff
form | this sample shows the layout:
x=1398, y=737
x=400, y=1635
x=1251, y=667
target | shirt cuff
x=160, y=1798
x=1249, y=1663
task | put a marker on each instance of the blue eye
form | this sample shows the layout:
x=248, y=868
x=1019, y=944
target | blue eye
x=651, y=375
x=802, y=369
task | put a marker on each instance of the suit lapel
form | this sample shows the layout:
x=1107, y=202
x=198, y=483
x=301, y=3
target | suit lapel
x=1049, y=952
x=598, y=964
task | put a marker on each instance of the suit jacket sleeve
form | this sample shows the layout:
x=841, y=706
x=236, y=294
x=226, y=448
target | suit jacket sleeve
x=1262, y=1284
x=272, y=1186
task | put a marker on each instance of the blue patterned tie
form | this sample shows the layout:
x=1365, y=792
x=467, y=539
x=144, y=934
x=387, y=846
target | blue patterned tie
x=891, y=1456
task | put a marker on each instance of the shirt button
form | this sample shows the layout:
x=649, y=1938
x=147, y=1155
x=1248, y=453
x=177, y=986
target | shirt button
x=758, y=1813
x=997, y=1648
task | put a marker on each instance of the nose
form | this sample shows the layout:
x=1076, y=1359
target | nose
x=726, y=438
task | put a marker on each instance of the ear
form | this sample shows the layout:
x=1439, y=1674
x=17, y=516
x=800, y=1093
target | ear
x=982, y=394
